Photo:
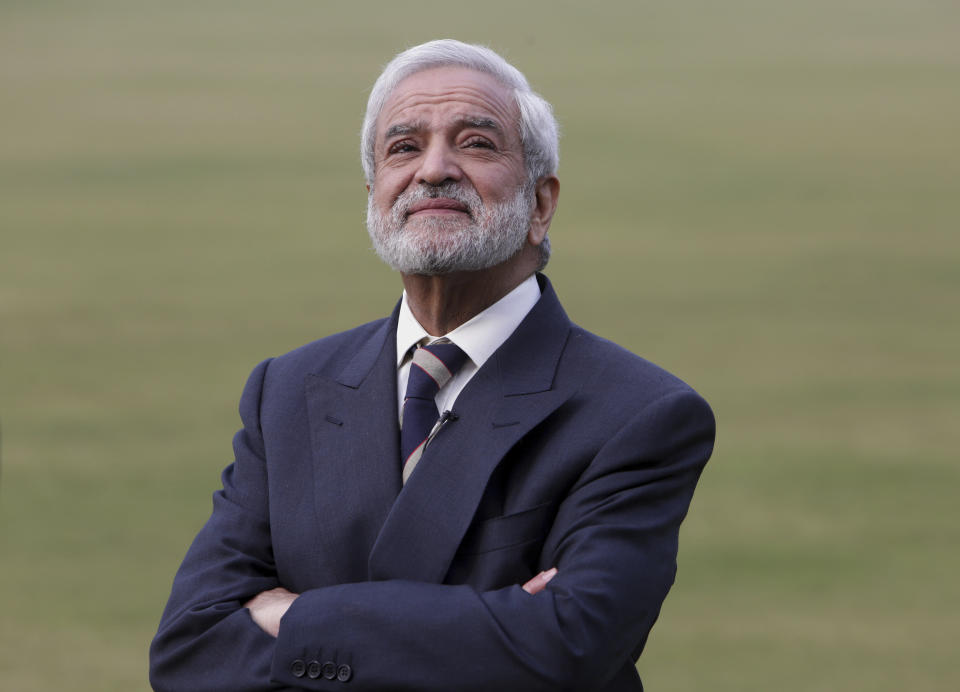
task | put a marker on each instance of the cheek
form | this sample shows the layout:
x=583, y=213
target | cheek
x=497, y=185
x=383, y=198
x=386, y=188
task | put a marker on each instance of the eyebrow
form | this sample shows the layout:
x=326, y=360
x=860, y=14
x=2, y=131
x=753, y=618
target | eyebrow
x=403, y=129
x=479, y=123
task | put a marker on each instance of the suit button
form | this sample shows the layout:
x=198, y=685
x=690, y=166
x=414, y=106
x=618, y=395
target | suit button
x=298, y=668
x=329, y=670
x=344, y=673
x=313, y=670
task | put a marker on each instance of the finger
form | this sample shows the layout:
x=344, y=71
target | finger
x=537, y=583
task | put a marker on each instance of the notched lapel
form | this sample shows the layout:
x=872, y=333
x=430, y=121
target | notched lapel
x=512, y=393
x=433, y=511
x=356, y=453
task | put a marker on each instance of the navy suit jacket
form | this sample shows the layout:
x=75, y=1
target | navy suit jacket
x=567, y=451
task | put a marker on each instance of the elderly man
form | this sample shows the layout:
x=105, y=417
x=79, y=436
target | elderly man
x=471, y=494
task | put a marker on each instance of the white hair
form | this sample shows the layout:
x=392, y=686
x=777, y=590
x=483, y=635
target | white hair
x=538, y=128
x=539, y=131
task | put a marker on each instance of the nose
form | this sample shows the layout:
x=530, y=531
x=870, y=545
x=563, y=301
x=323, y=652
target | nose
x=438, y=165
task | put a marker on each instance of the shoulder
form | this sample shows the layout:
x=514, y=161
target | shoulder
x=633, y=408
x=334, y=351
x=611, y=372
x=598, y=368
x=324, y=357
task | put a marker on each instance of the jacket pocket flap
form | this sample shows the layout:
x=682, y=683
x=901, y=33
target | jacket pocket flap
x=509, y=530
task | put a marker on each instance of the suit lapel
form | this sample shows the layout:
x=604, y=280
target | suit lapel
x=507, y=397
x=356, y=468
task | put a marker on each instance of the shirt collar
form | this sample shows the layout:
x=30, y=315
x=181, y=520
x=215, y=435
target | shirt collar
x=479, y=336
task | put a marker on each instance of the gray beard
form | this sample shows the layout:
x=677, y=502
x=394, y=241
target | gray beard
x=439, y=245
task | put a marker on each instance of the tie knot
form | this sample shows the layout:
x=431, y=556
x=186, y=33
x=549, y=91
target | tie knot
x=433, y=366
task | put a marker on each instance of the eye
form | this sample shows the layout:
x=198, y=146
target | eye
x=478, y=143
x=402, y=147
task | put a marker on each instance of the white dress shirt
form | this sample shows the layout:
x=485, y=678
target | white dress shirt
x=479, y=337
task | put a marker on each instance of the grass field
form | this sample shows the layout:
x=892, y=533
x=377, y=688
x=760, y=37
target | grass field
x=762, y=197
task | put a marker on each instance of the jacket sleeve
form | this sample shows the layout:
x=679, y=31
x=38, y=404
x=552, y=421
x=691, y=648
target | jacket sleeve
x=614, y=541
x=207, y=639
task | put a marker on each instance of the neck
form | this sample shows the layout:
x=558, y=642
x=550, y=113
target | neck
x=442, y=303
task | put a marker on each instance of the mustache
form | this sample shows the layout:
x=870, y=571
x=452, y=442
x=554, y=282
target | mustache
x=458, y=192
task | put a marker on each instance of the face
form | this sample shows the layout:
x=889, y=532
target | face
x=450, y=190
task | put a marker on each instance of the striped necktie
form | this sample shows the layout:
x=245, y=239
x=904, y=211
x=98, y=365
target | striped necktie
x=432, y=367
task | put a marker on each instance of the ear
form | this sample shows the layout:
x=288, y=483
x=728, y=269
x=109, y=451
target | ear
x=547, y=191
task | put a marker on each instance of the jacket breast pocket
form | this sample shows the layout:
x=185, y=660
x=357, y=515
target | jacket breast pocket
x=508, y=530
x=502, y=550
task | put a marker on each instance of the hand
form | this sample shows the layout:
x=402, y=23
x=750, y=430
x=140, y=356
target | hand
x=267, y=607
x=537, y=583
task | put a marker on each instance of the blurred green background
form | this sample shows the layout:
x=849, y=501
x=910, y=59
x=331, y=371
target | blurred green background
x=763, y=197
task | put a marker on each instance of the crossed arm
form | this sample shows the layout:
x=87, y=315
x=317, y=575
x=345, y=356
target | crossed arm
x=268, y=607
x=613, y=542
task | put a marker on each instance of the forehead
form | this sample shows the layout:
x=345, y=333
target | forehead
x=449, y=93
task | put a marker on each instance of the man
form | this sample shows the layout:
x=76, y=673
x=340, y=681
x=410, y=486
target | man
x=472, y=494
